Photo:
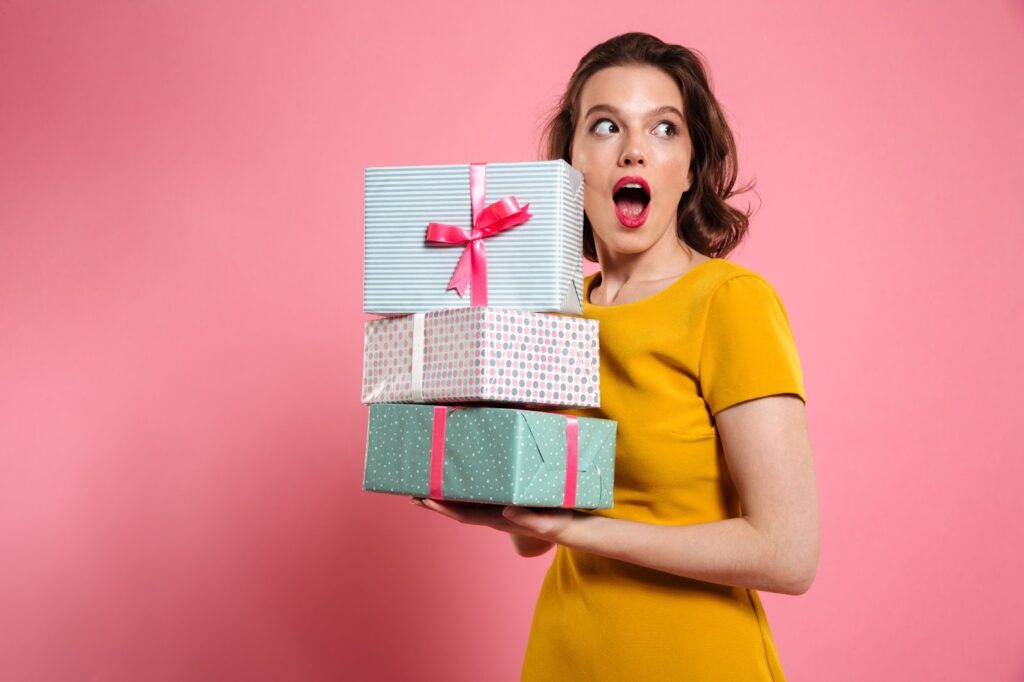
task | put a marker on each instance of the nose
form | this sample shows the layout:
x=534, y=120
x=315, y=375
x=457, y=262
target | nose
x=633, y=154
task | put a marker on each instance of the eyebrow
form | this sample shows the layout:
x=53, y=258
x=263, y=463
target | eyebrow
x=654, y=112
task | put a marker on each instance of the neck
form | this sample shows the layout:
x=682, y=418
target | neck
x=667, y=258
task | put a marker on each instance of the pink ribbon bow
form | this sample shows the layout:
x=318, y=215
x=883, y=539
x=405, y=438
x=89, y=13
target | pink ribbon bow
x=487, y=221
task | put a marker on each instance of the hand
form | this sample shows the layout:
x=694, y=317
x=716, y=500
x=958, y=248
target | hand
x=543, y=524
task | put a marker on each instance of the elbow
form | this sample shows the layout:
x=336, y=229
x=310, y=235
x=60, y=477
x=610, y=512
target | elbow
x=530, y=552
x=793, y=558
x=797, y=584
x=796, y=577
x=528, y=547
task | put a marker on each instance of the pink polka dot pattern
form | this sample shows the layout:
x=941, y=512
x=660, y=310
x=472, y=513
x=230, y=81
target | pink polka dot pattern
x=485, y=354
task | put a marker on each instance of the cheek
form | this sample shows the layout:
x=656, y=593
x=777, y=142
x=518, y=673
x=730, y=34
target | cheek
x=591, y=203
x=676, y=174
x=579, y=159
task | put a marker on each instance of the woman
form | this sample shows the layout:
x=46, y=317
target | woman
x=714, y=484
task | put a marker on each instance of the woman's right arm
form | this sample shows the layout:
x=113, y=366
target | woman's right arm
x=530, y=547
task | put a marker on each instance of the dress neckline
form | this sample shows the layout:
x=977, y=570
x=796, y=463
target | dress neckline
x=596, y=278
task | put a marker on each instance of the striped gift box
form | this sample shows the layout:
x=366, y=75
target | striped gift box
x=536, y=266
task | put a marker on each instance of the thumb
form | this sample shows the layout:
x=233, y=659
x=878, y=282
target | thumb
x=515, y=514
x=521, y=517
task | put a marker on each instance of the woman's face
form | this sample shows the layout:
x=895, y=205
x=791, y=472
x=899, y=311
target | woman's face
x=633, y=148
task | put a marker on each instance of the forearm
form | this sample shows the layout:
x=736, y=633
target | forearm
x=729, y=552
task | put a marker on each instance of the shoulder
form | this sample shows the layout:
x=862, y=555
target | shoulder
x=733, y=291
x=723, y=282
x=719, y=271
x=747, y=348
x=716, y=283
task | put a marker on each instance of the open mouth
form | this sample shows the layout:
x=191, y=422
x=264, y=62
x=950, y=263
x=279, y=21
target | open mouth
x=632, y=197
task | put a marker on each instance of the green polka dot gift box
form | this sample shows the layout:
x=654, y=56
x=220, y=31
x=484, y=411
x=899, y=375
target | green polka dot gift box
x=482, y=355
x=491, y=455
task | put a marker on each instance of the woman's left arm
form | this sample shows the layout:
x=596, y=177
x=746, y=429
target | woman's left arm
x=772, y=546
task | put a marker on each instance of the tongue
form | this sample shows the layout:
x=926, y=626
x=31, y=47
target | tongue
x=629, y=203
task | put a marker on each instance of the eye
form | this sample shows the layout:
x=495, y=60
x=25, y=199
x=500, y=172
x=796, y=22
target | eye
x=666, y=129
x=604, y=126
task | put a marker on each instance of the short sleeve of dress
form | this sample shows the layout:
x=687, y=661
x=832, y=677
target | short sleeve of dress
x=748, y=350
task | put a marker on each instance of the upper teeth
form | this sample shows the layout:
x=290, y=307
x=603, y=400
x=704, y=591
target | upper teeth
x=633, y=185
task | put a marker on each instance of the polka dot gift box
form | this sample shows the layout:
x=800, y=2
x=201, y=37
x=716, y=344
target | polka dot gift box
x=490, y=455
x=482, y=354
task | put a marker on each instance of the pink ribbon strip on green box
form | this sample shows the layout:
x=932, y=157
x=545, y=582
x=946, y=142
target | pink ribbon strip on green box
x=491, y=455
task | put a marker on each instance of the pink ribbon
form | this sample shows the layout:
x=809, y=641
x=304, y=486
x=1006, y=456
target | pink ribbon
x=437, y=452
x=487, y=221
x=440, y=425
x=572, y=458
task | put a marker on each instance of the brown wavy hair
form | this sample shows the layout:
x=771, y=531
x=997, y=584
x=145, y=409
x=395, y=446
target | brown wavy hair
x=706, y=222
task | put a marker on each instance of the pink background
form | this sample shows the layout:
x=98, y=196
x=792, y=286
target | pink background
x=180, y=326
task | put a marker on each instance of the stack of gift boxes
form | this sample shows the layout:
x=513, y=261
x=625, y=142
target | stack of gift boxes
x=478, y=271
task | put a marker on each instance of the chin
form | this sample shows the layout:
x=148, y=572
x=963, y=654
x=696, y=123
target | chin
x=632, y=242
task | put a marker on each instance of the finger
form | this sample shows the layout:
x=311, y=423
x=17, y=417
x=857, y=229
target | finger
x=476, y=514
x=442, y=509
x=466, y=513
x=526, y=521
x=519, y=516
x=539, y=522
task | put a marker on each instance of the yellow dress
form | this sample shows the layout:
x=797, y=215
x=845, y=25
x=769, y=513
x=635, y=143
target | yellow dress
x=716, y=337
